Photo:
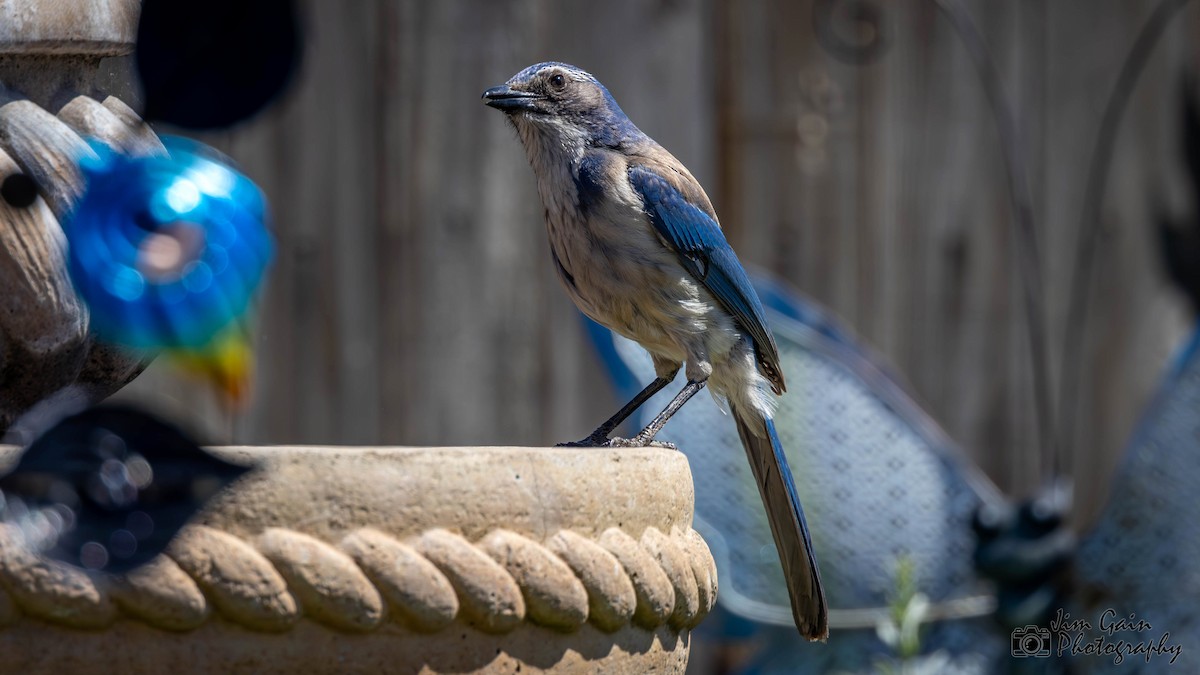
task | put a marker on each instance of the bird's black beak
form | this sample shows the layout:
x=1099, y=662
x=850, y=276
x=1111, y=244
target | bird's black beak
x=509, y=100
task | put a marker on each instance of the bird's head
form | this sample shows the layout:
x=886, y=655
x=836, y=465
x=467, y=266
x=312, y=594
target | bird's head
x=562, y=101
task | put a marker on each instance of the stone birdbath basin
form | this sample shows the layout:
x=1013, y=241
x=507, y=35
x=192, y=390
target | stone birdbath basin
x=343, y=560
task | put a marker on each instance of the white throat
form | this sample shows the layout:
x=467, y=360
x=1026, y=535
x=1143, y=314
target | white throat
x=554, y=149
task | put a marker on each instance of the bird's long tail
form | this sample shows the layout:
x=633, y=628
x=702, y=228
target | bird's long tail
x=786, y=517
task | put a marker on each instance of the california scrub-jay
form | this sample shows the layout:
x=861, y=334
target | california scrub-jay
x=637, y=246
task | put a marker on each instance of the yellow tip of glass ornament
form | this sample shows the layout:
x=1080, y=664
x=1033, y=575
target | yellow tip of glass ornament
x=227, y=363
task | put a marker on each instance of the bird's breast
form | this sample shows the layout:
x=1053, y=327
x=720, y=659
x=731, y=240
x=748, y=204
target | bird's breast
x=617, y=271
x=606, y=252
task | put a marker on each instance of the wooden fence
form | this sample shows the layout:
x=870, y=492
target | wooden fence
x=413, y=300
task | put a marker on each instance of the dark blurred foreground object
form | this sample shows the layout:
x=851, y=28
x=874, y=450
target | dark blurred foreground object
x=107, y=488
x=1026, y=550
x=1181, y=238
x=207, y=65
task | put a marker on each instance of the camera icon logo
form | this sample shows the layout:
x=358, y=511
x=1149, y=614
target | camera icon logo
x=1031, y=641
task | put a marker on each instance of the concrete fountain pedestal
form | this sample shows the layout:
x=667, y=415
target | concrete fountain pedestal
x=54, y=98
x=345, y=560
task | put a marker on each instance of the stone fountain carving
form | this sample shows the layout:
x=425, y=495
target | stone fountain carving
x=49, y=57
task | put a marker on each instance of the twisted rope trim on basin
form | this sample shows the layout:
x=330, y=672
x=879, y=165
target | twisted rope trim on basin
x=424, y=582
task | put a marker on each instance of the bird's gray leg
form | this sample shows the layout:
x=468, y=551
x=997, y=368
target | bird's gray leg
x=646, y=436
x=599, y=437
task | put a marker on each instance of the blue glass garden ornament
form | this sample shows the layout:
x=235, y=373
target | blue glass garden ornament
x=167, y=251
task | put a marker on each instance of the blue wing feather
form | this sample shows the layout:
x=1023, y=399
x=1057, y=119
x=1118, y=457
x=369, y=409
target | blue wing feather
x=704, y=252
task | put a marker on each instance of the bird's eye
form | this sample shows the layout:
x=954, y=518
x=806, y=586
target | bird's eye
x=557, y=81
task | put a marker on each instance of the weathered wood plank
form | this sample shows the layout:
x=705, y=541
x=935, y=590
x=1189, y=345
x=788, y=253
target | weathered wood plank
x=413, y=301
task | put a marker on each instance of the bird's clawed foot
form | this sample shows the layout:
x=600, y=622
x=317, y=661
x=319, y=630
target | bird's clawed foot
x=594, y=441
x=639, y=442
